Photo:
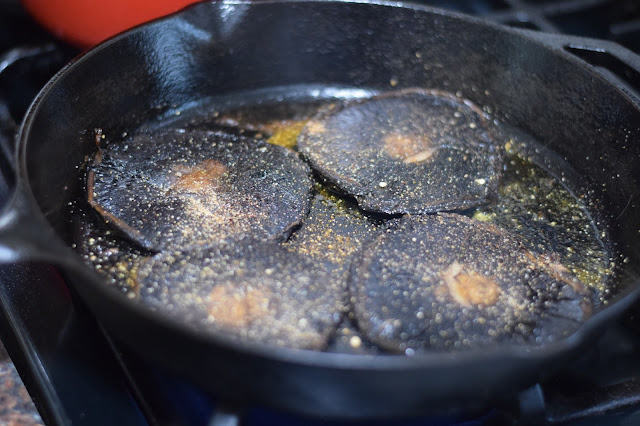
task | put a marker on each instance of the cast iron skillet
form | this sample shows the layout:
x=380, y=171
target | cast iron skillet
x=221, y=48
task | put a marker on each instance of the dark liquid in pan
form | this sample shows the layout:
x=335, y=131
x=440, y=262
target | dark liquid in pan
x=538, y=201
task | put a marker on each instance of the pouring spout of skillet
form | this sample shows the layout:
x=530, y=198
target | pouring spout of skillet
x=220, y=55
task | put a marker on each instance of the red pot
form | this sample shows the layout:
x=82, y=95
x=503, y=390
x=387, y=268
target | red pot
x=88, y=22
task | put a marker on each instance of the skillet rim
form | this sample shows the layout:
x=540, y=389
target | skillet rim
x=69, y=261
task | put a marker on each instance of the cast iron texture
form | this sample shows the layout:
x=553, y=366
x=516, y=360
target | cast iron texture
x=213, y=49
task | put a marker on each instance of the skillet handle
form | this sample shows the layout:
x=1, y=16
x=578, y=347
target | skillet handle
x=26, y=237
x=617, y=63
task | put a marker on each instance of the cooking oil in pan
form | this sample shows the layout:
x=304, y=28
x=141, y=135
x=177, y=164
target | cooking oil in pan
x=547, y=216
x=535, y=203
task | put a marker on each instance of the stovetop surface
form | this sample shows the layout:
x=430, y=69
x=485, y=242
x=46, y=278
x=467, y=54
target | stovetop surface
x=76, y=375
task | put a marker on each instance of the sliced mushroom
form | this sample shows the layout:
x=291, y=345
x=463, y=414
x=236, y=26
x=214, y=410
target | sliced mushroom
x=410, y=151
x=447, y=282
x=179, y=189
x=253, y=290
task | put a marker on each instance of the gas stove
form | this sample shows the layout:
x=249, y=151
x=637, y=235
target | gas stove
x=77, y=375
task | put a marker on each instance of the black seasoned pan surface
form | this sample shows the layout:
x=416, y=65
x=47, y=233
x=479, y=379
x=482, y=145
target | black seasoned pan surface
x=223, y=53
